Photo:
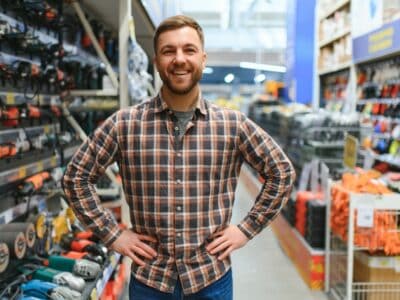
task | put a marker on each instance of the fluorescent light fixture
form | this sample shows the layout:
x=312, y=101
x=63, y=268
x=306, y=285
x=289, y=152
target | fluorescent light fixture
x=260, y=78
x=208, y=70
x=229, y=78
x=271, y=68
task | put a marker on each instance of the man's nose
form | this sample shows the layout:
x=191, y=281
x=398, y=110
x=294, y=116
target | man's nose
x=179, y=57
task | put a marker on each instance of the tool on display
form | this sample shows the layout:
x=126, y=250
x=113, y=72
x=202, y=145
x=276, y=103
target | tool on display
x=61, y=278
x=33, y=183
x=69, y=242
x=4, y=257
x=27, y=228
x=42, y=289
x=15, y=242
x=84, y=255
x=81, y=267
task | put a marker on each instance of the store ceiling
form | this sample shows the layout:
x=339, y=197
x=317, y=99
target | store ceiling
x=235, y=30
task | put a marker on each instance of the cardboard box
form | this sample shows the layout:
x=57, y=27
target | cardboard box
x=380, y=270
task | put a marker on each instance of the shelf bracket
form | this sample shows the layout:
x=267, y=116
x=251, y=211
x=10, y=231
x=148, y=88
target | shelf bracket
x=96, y=45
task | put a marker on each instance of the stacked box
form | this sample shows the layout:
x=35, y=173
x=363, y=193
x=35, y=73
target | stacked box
x=316, y=220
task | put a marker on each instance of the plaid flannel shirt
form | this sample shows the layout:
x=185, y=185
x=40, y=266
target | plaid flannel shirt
x=179, y=190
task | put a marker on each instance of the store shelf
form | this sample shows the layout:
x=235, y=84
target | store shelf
x=334, y=38
x=17, y=211
x=385, y=135
x=43, y=37
x=338, y=67
x=94, y=93
x=379, y=100
x=308, y=261
x=11, y=98
x=11, y=135
x=339, y=4
x=9, y=59
x=97, y=290
x=326, y=144
x=383, y=118
x=390, y=159
x=75, y=53
x=28, y=170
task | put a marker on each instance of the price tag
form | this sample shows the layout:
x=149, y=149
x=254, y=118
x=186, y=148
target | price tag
x=22, y=172
x=365, y=217
x=93, y=295
x=39, y=166
x=305, y=177
x=46, y=129
x=53, y=161
x=350, y=151
x=113, y=260
x=40, y=99
x=10, y=99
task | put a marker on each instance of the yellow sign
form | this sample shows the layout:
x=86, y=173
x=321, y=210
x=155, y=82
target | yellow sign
x=381, y=40
x=10, y=99
x=350, y=151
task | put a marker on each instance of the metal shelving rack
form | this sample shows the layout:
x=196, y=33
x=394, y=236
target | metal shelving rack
x=323, y=13
x=339, y=282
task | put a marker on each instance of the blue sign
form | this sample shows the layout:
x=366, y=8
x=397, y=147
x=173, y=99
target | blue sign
x=300, y=50
x=375, y=44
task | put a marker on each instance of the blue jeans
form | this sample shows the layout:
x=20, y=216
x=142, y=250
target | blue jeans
x=222, y=289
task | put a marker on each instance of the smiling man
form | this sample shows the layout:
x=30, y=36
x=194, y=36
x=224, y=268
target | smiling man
x=180, y=158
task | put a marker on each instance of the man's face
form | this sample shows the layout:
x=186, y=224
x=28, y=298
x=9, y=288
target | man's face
x=180, y=59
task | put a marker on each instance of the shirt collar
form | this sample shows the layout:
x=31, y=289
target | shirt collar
x=160, y=105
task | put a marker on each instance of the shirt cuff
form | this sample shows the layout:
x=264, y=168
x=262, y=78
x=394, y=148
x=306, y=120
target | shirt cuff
x=250, y=228
x=112, y=236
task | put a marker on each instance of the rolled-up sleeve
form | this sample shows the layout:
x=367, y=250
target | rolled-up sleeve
x=262, y=153
x=86, y=166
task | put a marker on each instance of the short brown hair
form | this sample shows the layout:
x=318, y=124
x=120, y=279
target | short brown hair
x=177, y=22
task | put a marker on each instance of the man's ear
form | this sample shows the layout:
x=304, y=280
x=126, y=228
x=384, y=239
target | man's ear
x=155, y=62
x=204, y=60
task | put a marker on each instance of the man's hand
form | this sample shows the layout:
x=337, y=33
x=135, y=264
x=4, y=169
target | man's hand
x=131, y=244
x=227, y=240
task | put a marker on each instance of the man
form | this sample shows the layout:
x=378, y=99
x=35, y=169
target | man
x=179, y=158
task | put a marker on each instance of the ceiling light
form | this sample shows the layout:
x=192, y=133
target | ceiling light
x=259, y=78
x=229, y=78
x=208, y=70
x=271, y=68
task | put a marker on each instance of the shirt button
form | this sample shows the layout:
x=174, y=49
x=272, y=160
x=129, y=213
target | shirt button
x=179, y=154
x=179, y=208
x=176, y=128
x=178, y=181
x=179, y=234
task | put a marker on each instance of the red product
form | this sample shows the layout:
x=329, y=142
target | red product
x=302, y=198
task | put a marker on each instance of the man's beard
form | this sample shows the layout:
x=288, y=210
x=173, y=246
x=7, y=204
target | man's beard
x=182, y=91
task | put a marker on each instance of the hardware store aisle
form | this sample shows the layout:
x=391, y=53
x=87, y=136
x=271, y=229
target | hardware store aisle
x=261, y=269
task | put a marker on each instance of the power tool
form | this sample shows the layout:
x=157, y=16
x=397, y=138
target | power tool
x=81, y=267
x=27, y=228
x=33, y=183
x=45, y=290
x=69, y=242
x=4, y=257
x=61, y=278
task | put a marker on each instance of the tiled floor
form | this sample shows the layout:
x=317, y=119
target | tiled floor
x=261, y=269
